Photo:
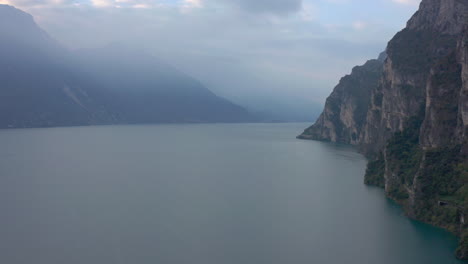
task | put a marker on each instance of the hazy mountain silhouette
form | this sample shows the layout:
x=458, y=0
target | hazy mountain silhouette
x=43, y=84
x=147, y=90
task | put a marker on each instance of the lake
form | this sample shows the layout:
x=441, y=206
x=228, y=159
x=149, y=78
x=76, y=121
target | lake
x=198, y=194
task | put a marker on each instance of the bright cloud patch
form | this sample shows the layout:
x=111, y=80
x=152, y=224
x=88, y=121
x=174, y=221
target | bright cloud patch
x=407, y=2
x=277, y=7
x=125, y=3
x=193, y=3
x=359, y=25
x=102, y=3
x=21, y=3
x=93, y=3
x=189, y=5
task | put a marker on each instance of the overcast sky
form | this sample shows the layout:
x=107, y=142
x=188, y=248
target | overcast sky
x=289, y=52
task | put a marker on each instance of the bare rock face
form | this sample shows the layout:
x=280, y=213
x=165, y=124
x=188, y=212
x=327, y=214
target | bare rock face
x=416, y=120
x=463, y=96
x=413, y=55
x=345, y=110
x=443, y=123
x=443, y=16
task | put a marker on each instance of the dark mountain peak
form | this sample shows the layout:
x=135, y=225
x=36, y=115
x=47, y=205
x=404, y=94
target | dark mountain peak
x=14, y=20
x=444, y=16
x=369, y=66
x=9, y=13
x=18, y=29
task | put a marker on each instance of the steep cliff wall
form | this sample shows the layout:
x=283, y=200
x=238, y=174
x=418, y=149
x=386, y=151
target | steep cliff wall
x=430, y=36
x=415, y=129
x=345, y=110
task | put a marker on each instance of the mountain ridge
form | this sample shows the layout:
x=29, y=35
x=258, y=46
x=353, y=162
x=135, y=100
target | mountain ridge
x=415, y=129
x=46, y=85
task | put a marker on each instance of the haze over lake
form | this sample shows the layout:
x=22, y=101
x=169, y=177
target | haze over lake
x=201, y=194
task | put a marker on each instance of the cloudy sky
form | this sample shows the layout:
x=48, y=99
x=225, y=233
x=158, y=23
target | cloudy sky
x=268, y=55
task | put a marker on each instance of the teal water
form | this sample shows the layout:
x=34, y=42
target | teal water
x=198, y=194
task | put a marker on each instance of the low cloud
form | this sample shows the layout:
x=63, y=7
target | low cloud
x=273, y=50
x=407, y=2
x=359, y=25
x=280, y=7
x=35, y=3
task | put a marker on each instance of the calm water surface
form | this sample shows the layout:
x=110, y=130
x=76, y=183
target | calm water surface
x=198, y=194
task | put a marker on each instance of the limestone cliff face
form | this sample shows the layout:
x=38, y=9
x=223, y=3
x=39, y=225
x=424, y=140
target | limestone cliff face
x=446, y=102
x=416, y=120
x=345, y=110
x=443, y=16
x=463, y=96
x=413, y=55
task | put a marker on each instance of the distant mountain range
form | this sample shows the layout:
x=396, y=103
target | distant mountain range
x=42, y=84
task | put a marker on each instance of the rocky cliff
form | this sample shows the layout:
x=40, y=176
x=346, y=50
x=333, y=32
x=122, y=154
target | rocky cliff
x=344, y=115
x=416, y=120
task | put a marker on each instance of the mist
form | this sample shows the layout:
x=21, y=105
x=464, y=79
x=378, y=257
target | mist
x=279, y=59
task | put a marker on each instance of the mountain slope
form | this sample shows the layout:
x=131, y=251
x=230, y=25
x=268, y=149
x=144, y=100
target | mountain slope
x=43, y=84
x=37, y=85
x=344, y=114
x=146, y=90
x=416, y=123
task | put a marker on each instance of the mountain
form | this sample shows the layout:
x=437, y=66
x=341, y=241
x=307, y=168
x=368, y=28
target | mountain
x=38, y=87
x=412, y=122
x=147, y=90
x=345, y=109
x=43, y=84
